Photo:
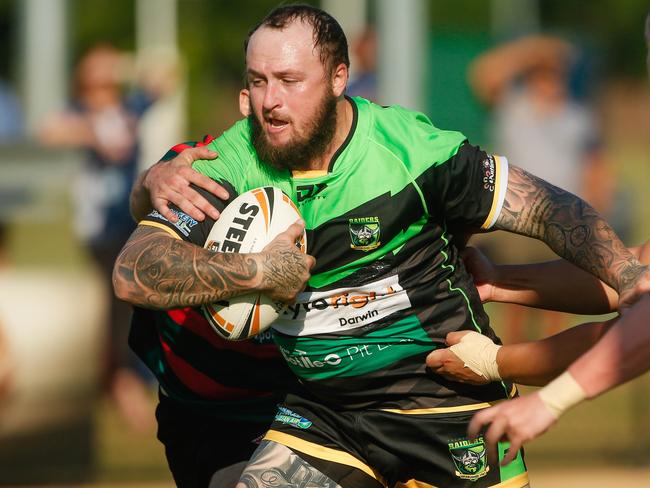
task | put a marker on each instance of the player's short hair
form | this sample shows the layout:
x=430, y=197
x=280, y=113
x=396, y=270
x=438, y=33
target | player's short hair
x=329, y=37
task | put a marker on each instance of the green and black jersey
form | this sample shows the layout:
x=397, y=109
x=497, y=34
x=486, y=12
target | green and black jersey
x=388, y=284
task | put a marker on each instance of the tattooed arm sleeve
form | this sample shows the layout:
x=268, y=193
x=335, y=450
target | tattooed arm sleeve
x=156, y=270
x=569, y=226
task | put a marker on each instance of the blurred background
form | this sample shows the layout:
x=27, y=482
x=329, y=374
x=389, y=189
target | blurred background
x=93, y=91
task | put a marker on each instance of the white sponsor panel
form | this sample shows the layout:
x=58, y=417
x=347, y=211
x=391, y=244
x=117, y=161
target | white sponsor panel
x=343, y=308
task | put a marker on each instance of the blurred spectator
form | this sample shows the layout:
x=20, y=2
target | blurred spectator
x=540, y=127
x=160, y=77
x=11, y=115
x=102, y=122
x=364, y=82
x=5, y=358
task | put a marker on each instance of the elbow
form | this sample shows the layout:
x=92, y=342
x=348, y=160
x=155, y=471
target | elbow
x=122, y=287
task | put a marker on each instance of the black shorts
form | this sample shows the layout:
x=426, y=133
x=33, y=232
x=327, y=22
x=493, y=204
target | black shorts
x=393, y=449
x=199, y=441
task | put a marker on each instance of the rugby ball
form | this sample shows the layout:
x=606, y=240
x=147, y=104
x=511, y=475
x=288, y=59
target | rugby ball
x=247, y=225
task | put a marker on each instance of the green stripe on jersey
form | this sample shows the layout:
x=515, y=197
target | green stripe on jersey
x=316, y=359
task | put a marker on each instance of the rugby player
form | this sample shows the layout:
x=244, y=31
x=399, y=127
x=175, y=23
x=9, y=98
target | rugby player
x=382, y=192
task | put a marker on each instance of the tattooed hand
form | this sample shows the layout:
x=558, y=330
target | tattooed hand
x=573, y=229
x=285, y=270
x=637, y=284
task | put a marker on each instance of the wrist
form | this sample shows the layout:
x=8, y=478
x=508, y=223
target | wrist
x=499, y=277
x=259, y=283
x=561, y=394
x=478, y=353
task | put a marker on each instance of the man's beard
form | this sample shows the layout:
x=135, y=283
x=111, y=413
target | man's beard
x=298, y=154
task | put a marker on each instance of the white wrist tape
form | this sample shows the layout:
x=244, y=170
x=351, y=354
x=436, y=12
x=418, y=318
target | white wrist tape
x=479, y=354
x=562, y=393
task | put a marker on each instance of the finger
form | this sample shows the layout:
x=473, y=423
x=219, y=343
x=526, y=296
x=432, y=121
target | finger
x=188, y=156
x=295, y=230
x=200, y=202
x=483, y=292
x=208, y=184
x=479, y=420
x=435, y=358
x=511, y=454
x=187, y=207
x=496, y=431
x=161, y=206
x=455, y=337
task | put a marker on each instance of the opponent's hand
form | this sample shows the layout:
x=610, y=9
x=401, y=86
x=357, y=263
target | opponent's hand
x=169, y=182
x=518, y=421
x=285, y=269
x=448, y=365
x=482, y=270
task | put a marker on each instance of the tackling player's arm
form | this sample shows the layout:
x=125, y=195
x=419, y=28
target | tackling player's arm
x=574, y=230
x=474, y=358
x=550, y=285
x=622, y=354
x=169, y=181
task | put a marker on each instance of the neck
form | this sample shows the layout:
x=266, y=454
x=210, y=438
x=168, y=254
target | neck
x=344, y=115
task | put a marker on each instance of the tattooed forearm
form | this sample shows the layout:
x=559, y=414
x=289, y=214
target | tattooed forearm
x=156, y=271
x=570, y=226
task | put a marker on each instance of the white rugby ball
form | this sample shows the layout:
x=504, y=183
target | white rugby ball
x=247, y=225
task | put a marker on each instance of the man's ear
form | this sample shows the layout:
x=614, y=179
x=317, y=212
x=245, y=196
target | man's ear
x=244, y=102
x=340, y=79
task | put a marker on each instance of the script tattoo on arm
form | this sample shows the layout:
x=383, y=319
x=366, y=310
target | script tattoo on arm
x=569, y=226
x=157, y=271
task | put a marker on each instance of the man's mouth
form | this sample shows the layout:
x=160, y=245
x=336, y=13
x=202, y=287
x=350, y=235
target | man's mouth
x=275, y=125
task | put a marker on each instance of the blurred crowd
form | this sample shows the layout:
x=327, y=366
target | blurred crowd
x=106, y=121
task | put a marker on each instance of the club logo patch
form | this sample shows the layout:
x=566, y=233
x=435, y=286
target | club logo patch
x=364, y=233
x=470, y=458
x=290, y=417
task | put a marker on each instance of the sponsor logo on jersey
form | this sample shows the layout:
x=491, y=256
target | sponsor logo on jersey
x=184, y=223
x=342, y=308
x=364, y=233
x=290, y=417
x=307, y=192
x=318, y=358
x=470, y=458
x=489, y=173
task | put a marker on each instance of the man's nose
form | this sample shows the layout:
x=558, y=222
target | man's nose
x=271, y=97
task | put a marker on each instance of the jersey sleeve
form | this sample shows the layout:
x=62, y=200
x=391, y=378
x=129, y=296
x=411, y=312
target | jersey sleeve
x=178, y=148
x=187, y=228
x=469, y=188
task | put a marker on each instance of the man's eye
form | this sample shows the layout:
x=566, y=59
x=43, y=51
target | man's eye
x=257, y=82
